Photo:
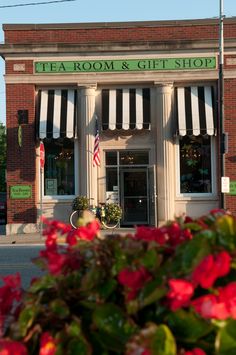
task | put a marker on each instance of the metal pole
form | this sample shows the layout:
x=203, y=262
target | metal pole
x=41, y=202
x=221, y=99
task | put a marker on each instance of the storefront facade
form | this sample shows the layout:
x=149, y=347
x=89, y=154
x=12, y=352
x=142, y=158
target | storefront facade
x=152, y=89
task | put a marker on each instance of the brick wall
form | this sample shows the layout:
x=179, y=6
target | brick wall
x=21, y=161
x=230, y=127
x=119, y=34
x=28, y=67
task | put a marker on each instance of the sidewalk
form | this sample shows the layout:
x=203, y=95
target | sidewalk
x=36, y=238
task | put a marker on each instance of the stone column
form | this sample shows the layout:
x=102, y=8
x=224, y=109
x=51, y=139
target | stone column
x=165, y=153
x=86, y=132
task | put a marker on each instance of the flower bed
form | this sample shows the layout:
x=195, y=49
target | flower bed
x=168, y=290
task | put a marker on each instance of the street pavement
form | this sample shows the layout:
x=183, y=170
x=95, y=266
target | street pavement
x=36, y=238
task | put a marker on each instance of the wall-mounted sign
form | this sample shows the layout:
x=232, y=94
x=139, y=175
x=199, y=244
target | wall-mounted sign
x=20, y=191
x=232, y=190
x=125, y=65
x=225, y=187
x=51, y=187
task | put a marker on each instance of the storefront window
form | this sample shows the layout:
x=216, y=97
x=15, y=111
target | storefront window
x=59, y=168
x=195, y=164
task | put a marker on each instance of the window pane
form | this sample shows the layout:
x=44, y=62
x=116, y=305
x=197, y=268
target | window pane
x=59, y=168
x=134, y=157
x=111, y=179
x=195, y=164
x=111, y=158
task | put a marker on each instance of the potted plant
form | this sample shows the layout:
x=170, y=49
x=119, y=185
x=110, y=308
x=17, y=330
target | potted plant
x=113, y=212
x=80, y=203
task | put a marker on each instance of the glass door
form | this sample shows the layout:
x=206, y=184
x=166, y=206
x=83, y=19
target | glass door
x=134, y=196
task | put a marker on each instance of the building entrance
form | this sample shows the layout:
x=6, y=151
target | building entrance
x=130, y=181
x=134, y=196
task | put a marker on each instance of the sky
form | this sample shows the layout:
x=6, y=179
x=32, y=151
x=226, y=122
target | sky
x=80, y=11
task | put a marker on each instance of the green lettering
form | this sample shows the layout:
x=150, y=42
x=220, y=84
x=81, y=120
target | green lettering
x=177, y=63
x=141, y=64
x=77, y=66
x=198, y=63
x=186, y=63
x=44, y=65
x=53, y=66
x=108, y=66
x=97, y=65
x=208, y=62
x=61, y=67
x=86, y=66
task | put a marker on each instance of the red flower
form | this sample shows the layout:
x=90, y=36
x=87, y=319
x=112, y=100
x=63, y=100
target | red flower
x=146, y=352
x=48, y=345
x=209, y=307
x=13, y=281
x=211, y=268
x=205, y=306
x=180, y=293
x=9, y=347
x=150, y=234
x=56, y=261
x=134, y=280
x=88, y=232
x=227, y=296
x=9, y=293
x=71, y=238
x=172, y=234
x=195, y=351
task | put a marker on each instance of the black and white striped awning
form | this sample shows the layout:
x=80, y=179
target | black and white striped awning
x=195, y=110
x=125, y=109
x=56, y=113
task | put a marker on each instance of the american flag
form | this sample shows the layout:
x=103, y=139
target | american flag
x=96, y=151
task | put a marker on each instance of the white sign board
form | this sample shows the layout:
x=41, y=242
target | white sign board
x=225, y=186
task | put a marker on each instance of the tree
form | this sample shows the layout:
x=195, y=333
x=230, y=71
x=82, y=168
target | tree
x=3, y=157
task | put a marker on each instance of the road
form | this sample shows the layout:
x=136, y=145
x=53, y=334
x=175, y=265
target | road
x=15, y=258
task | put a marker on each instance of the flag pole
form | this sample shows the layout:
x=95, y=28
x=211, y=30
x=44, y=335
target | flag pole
x=221, y=99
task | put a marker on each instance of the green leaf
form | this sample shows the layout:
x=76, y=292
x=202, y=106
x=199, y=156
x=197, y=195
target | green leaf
x=106, y=344
x=92, y=278
x=187, y=326
x=43, y=283
x=74, y=329
x=59, y=308
x=151, y=260
x=120, y=260
x=78, y=346
x=26, y=319
x=226, y=339
x=195, y=250
x=163, y=341
x=226, y=228
x=110, y=320
x=151, y=292
x=106, y=289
